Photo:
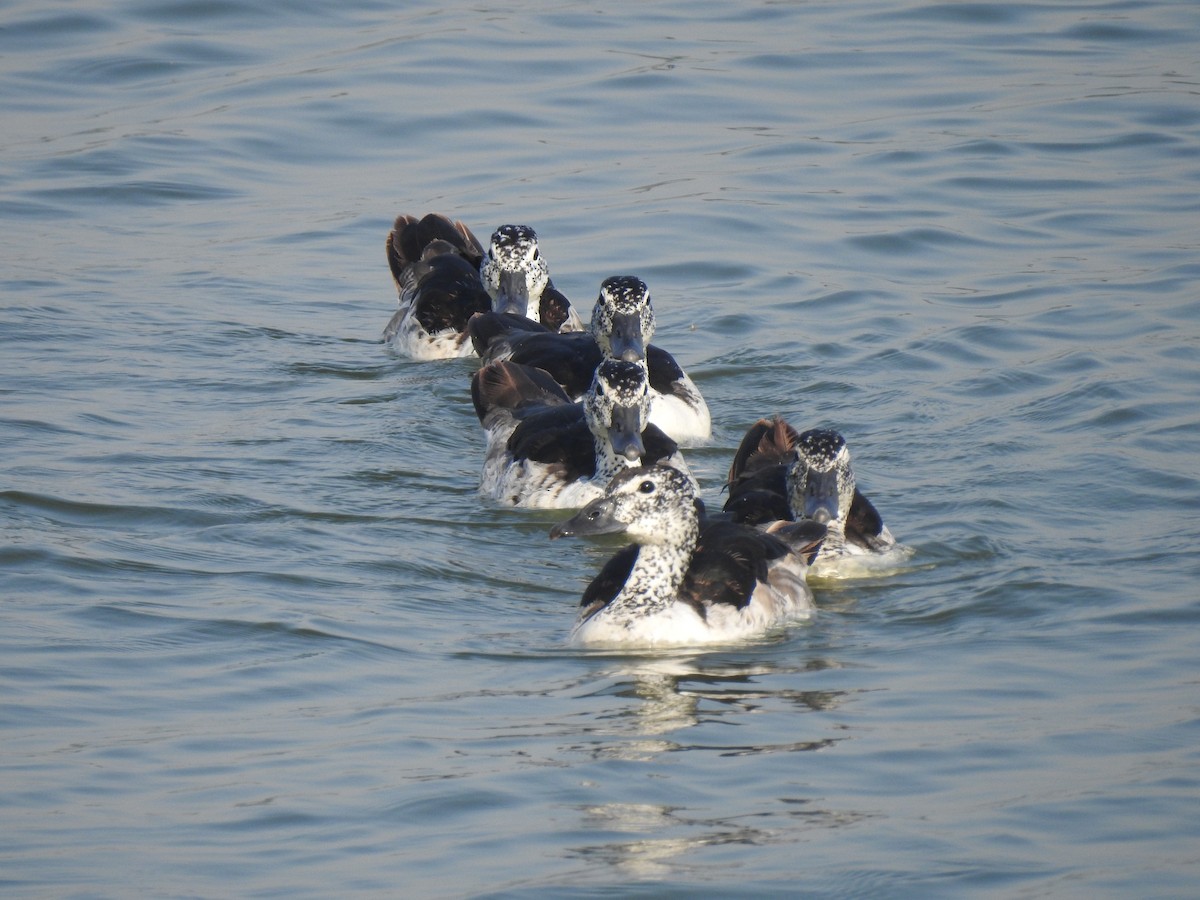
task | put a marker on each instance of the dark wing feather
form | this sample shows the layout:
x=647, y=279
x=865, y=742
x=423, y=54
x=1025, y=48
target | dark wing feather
x=767, y=442
x=492, y=328
x=659, y=447
x=506, y=385
x=663, y=369
x=448, y=292
x=554, y=307
x=394, y=247
x=729, y=560
x=608, y=582
x=760, y=495
x=557, y=436
x=864, y=524
x=571, y=359
x=757, y=507
x=409, y=238
x=804, y=537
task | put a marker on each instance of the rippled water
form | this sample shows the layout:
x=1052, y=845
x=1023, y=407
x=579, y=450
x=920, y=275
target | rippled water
x=260, y=637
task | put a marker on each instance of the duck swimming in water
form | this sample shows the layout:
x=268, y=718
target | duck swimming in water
x=621, y=327
x=514, y=249
x=444, y=277
x=684, y=582
x=780, y=474
x=543, y=450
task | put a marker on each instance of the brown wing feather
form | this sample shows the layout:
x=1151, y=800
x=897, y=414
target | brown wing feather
x=768, y=442
x=409, y=238
x=508, y=385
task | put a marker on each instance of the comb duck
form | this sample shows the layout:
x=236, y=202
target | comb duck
x=543, y=450
x=684, y=581
x=621, y=327
x=779, y=474
x=443, y=277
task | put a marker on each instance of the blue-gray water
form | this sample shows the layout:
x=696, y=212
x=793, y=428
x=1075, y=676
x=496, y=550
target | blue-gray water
x=259, y=637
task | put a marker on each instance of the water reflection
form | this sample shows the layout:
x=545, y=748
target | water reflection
x=654, y=836
x=674, y=693
x=669, y=705
x=647, y=854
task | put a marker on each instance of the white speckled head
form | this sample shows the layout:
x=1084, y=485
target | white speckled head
x=514, y=251
x=821, y=479
x=617, y=406
x=652, y=504
x=657, y=504
x=623, y=318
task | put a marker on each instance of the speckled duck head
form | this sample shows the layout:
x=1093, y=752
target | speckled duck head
x=617, y=406
x=820, y=479
x=653, y=505
x=513, y=271
x=623, y=318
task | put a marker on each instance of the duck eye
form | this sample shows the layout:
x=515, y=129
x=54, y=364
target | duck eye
x=646, y=487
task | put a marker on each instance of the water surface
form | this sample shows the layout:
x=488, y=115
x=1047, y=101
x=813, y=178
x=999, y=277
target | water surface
x=259, y=635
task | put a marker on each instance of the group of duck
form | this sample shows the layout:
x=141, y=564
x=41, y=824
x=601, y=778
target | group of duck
x=593, y=418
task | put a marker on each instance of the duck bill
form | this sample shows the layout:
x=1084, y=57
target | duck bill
x=626, y=340
x=820, y=497
x=513, y=296
x=595, y=518
x=625, y=433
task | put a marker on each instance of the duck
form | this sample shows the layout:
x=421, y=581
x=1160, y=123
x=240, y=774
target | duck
x=546, y=451
x=780, y=474
x=686, y=580
x=621, y=327
x=443, y=277
x=514, y=249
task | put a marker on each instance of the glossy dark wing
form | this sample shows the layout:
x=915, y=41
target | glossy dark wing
x=663, y=369
x=491, y=328
x=506, y=385
x=760, y=496
x=554, y=308
x=609, y=581
x=571, y=358
x=409, y=238
x=394, y=248
x=804, y=537
x=659, y=447
x=864, y=523
x=449, y=292
x=557, y=436
x=757, y=507
x=729, y=560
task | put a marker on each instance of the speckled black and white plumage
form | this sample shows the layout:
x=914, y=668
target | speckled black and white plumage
x=621, y=327
x=435, y=266
x=444, y=277
x=778, y=473
x=685, y=581
x=514, y=248
x=543, y=450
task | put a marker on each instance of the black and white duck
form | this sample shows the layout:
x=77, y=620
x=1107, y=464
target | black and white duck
x=779, y=474
x=543, y=450
x=513, y=249
x=621, y=327
x=685, y=581
x=443, y=277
